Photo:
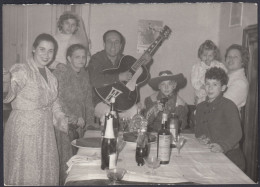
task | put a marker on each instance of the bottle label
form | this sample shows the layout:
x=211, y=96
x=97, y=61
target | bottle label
x=164, y=147
x=109, y=133
x=112, y=161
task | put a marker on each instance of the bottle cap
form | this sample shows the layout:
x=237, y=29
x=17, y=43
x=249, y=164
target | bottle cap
x=113, y=100
x=165, y=116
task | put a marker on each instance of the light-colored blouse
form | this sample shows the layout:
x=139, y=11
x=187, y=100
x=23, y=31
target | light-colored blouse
x=237, y=88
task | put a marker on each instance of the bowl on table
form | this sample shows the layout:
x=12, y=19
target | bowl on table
x=115, y=175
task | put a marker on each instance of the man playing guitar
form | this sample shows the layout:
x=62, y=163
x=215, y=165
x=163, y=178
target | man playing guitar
x=106, y=59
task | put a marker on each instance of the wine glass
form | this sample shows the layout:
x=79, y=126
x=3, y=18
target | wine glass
x=120, y=144
x=179, y=143
x=115, y=175
x=152, y=162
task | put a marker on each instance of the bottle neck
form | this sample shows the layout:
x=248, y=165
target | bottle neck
x=164, y=120
x=109, y=133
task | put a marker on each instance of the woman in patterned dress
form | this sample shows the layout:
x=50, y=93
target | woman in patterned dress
x=30, y=149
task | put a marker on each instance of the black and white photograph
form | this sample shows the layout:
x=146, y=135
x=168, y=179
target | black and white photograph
x=98, y=94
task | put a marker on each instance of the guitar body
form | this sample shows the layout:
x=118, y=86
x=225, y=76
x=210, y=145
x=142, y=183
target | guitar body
x=125, y=64
x=125, y=97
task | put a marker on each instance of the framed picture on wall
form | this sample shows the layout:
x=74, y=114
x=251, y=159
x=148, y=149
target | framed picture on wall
x=148, y=31
x=236, y=11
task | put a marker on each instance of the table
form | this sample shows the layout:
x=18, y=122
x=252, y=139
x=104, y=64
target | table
x=195, y=165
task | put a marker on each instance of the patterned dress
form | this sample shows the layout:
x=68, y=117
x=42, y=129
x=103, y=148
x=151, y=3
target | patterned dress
x=75, y=95
x=30, y=149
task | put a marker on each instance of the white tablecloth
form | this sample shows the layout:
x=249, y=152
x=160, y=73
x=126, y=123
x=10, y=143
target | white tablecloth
x=195, y=164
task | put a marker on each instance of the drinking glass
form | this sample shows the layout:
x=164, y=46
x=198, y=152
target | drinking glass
x=115, y=175
x=124, y=122
x=152, y=162
x=120, y=144
x=179, y=143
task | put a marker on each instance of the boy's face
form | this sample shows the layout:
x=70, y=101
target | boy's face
x=167, y=87
x=213, y=88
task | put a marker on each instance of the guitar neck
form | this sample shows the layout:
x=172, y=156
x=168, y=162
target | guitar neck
x=151, y=50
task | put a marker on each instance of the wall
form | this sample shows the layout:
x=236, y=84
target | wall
x=191, y=25
x=230, y=35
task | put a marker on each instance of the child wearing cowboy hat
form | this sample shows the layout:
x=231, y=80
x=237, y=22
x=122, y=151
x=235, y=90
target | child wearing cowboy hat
x=166, y=86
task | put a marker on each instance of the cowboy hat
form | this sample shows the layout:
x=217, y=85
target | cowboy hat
x=168, y=75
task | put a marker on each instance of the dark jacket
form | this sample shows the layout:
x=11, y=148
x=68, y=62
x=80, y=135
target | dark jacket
x=97, y=64
x=220, y=121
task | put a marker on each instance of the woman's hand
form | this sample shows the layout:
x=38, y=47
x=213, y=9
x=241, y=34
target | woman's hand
x=72, y=119
x=81, y=122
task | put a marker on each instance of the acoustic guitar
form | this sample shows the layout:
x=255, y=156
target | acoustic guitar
x=126, y=93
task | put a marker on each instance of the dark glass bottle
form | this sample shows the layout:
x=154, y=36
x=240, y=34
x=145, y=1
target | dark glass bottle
x=142, y=148
x=108, y=146
x=115, y=116
x=164, y=142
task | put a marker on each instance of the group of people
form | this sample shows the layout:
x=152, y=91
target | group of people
x=220, y=92
x=53, y=100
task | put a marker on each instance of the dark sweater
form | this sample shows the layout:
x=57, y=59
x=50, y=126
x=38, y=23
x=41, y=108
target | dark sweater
x=220, y=121
x=97, y=64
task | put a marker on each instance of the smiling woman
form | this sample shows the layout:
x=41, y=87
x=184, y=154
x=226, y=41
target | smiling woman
x=30, y=149
x=237, y=58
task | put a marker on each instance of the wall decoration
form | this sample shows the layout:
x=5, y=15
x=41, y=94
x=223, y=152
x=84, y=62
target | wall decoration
x=236, y=12
x=148, y=31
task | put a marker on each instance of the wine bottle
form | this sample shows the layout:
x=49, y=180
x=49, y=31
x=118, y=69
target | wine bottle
x=164, y=142
x=115, y=116
x=142, y=149
x=136, y=121
x=108, y=146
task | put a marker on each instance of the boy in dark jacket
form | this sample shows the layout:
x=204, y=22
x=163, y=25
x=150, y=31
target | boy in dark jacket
x=217, y=119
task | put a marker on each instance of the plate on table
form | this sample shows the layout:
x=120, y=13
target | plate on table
x=132, y=137
x=91, y=142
